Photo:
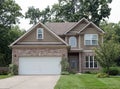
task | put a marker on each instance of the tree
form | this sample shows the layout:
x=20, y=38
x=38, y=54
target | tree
x=74, y=10
x=94, y=10
x=107, y=53
x=55, y=11
x=9, y=12
x=9, y=37
x=35, y=15
x=111, y=32
x=9, y=15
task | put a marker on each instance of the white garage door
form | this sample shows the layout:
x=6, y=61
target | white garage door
x=39, y=65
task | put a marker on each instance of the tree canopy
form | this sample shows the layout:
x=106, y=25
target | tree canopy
x=9, y=12
x=9, y=16
x=72, y=11
x=107, y=53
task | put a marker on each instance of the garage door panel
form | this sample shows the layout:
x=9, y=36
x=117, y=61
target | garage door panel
x=39, y=65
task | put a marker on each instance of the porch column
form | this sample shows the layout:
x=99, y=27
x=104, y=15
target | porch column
x=80, y=62
x=79, y=42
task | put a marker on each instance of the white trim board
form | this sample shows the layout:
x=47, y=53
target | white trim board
x=40, y=43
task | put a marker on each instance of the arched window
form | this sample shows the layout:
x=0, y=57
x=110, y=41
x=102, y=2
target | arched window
x=73, y=41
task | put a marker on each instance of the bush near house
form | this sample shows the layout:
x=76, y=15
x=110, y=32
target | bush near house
x=13, y=69
x=102, y=75
x=3, y=70
x=65, y=66
x=112, y=71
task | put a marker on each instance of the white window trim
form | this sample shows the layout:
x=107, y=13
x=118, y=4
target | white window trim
x=89, y=62
x=42, y=33
x=90, y=40
x=75, y=41
x=93, y=62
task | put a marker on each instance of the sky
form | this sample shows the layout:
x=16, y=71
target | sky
x=41, y=4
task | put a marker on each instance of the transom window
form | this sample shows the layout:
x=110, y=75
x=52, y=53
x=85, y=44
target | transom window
x=40, y=33
x=73, y=41
x=91, y=39
x=90, y=62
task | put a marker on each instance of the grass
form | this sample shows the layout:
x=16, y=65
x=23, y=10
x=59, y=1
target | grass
x=87, y=81
x=4, y=76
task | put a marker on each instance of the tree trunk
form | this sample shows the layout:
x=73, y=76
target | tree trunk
x=108, y=69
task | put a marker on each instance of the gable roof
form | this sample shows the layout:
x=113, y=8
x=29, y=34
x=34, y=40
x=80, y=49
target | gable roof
x=83, y=19
x=60, y=27
x=91, y=23
x=32, y=29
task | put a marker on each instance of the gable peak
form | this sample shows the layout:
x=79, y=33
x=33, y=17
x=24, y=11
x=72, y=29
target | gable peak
x=80, y=21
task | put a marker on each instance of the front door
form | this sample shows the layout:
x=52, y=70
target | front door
x=73, y=60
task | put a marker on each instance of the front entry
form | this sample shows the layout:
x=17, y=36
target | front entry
x=74, y=61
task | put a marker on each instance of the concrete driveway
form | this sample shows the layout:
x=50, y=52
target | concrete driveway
x=29, y=82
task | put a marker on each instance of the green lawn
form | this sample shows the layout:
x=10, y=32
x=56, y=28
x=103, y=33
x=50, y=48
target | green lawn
x=87, y=81
x=4, y=76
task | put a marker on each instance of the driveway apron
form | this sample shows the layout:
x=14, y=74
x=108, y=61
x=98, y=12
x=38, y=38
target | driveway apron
x=30, y=82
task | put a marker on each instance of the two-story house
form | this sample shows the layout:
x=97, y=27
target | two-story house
x=41, y=49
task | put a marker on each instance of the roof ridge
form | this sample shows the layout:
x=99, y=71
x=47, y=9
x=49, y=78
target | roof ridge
x=60, y=22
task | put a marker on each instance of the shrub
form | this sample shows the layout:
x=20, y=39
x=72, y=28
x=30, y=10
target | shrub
x=112, y=71
x=3, y=72
x=91, y=72
x=65, y=73
x=72, y=71
x=119, y=70
x=94, y=72
x=102, y=75
x=104, y=70
x=87, y=72
x=64, y=64
x=13, y=69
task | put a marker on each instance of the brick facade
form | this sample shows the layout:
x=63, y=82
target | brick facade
x=84, y=69
x=37, y=52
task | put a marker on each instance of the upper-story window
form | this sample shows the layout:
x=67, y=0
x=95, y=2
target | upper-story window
x=73, y=41
x=40, y=33
x=91, y=39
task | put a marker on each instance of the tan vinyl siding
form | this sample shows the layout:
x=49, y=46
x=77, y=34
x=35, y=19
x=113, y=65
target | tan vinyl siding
x=90, y=30
x=77, y=28
x=32, y=36
x=80, y=26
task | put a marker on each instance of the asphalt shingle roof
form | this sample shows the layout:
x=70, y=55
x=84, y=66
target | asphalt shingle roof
x=60, y=27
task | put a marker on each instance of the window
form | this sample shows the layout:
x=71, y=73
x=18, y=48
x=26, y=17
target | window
x=72, y=41
x=91, y=39
x=90, y=62
x=40, y=33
